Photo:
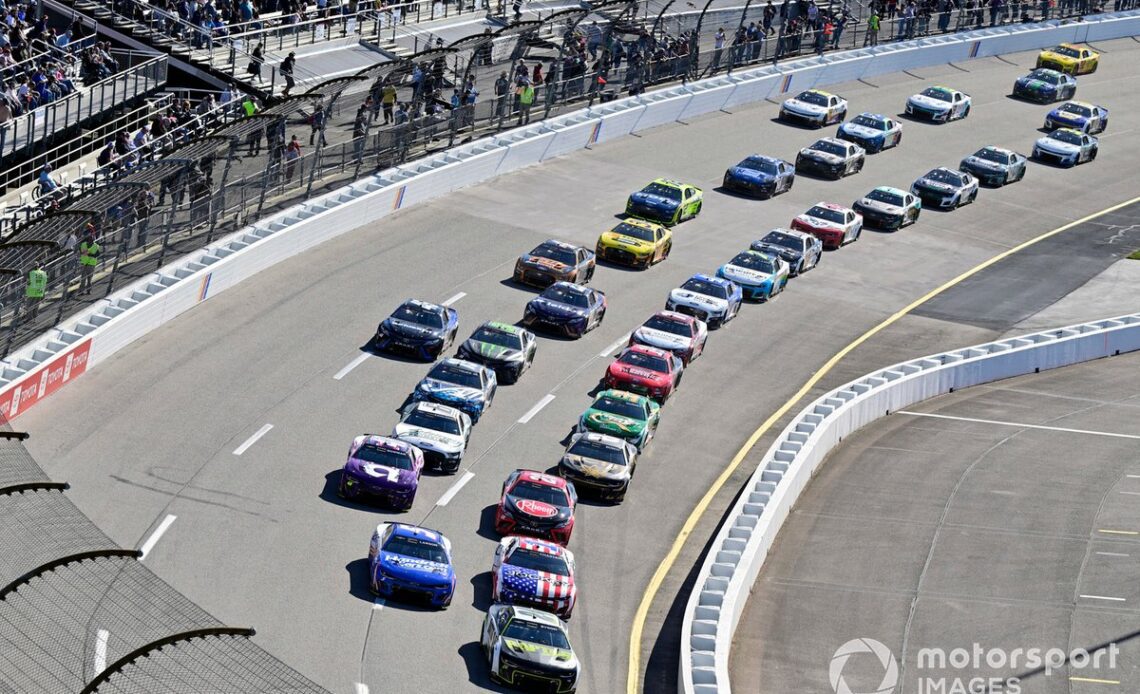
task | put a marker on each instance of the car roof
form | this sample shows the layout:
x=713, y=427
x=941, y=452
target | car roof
x=634, y=222
x=675, y=316
x=538, y=477
x=464, y=365
x=503, y=327
x=1049, y=70
x=571, y=287
x=889, y=189
x=718, y=281
x=946, y=169
x=621, y=395
x=387, y=443
x=595, y=437
x=530, y=614
x=555, y=243
x=1074, y=102
x=668, y=182
x=427, y=305
x=434, y=408
x=877, y=116
x=818, y=91
x=831, y=140
x=648, y=351
x=829, y=206
x=764, y=157
x=536, y=545
x=1073, y=131
x=941, y=88
x=788, y=232
x=995, y=148
x=416, y=531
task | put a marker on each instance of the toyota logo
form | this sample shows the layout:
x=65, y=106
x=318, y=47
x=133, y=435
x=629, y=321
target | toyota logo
x=856, y=647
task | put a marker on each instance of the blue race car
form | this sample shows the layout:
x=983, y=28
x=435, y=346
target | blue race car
x=873, y=132
x=418, y=328
x=1045, y=86
x=413, y=561
x=762, y=176
x=1078, y=115
x=713, y=300
x=760, y=276
x=464, y=385
x=572, y=309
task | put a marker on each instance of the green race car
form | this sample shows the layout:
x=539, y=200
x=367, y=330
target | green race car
x=622, y=414
x=506, y=348
x=665, y=201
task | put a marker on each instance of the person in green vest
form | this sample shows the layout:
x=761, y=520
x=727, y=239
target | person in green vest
x=37, y=287
x=872, y=36
x=88, y=258
x=525, y=93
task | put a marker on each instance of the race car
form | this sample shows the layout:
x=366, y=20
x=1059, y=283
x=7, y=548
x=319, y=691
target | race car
x=382, y=468
x=713, y=300
x=834, y=225
x=678, y=333
x=536, y=504
x=939, y=104
x=945, y=188
x=622, y=414
x=873, y=132
x=800, y=250
x=760, y=276
x=529, y=648
x=1045, y=86
x=535, y=573
x=464, y=385
x=1075, y=60
x=995, y=166
x=1066, y=147
x=646, y=370
x=888, y=208
x=506, y=348
x=567, y=308
x=665, y=201
x=419, y=328
x=1079, y=116
x=440, y=432
x=760, y=176
x=636, y=243
x=409, y=560
x=599, y=464
x=814, y=107
x=831, y=157
x=554, y=261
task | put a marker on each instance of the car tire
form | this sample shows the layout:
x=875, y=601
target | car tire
x=668, y=249
x=1092, y=154
x=589, y=275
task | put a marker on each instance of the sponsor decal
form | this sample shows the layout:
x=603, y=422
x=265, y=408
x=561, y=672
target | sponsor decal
x=46, y=380
x=538, y=509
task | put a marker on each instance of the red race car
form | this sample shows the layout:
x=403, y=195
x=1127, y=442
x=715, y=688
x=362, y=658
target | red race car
x=646, y=370
x=834, y=225
x=537, y=504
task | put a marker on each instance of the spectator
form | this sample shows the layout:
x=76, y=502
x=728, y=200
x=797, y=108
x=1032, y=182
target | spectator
x=292, y=154
x=88, y=258
x=317, y=124
x=871, y=38
x=388, y=101
x=47, y=184
x=401, y=116
x=286, y=70
x=34, y=293
x=593, y=40
x=525, y=93
x=769, y=16
x=718, y=48
x=502, y=87
x=536, y=75
x=360, y=129
x=255, y=61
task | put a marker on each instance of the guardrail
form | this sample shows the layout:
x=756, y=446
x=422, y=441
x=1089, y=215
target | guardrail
x=742, y=542
x=117, y=320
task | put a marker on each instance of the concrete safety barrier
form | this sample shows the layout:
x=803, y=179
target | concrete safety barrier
x=90, y=336
x=742, y=542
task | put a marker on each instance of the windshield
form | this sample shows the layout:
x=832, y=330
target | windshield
x=1076, y=109
x=435, y=422
x=992, y=155
x=497, y=337
x=381, y=456
x=706, y=288
x=563, y=295
x=670, y=326
x=813, y=98
x=826, y=213
x=869, y=122
x=937, y=93
x=538, y=561
x=622, y=408
x=1046, y=76
x=1066, y=137
x=886, y=197
x=754, y=261
x=777, y=239
x=555, y=253
x=532, y=632
x=598, y=451
x=415, y=548
x=635, y=231
x=450, y=374
x=830, y=148
x=419, y=316
x=944, y=176
x=539, y=492
x=645, y=361
x=758, y=164
x=662, y=191
x=1067, y=51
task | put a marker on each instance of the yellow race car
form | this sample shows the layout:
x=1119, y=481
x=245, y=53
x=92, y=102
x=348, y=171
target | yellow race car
x=636, y=243
x=1070, y=58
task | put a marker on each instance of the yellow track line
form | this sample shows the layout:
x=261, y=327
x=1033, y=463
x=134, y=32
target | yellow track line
x=1093, y=680
x=635, y=635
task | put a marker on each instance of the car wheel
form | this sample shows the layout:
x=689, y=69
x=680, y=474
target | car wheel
x=914, y=220
x=341, y=490
x=1092, y=154
x=697, y=209
x=589, y=275
x=668, y=249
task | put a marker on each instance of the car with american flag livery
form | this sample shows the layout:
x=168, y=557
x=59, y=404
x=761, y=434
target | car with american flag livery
x=536, y=573
x=536, y=504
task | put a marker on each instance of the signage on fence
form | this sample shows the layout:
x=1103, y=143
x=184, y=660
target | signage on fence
x=45, y=381
x=319, y=32
x=350, y=26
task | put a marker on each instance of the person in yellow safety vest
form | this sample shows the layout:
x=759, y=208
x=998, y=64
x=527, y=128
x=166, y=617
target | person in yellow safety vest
x=88, y=259
x=525, y=92
x=249, y=106
x=37, y=286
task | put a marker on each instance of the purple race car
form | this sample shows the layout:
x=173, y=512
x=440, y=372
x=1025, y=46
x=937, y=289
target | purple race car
x=384, y=468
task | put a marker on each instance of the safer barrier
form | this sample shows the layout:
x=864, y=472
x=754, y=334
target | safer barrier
x=95, y=333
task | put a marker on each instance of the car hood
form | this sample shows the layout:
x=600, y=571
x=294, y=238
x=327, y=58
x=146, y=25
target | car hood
x=1056, y=145
x=537, y=510
x=935, y=185
x=449, y=392
x=653, y=200
x=414, y=569
x=548, y=584
x=929, y=102
x=1035, y=84
x=984, y=163
x=750, y=174
x=548, y=656
x=407, y=329
x=817, y=223
x=599, y=469
x=555, y=309
x=636, y=373
x=429, y=439
x=879, y=206
x=381, y=475
x=493, y=351
x=804, y=107
x=661, y=338
x=611, y=238
x=784, y=252
x=817, y=155
x=606, y=423
x=743, y=275
x=702, y=301
x=544, y=263
x=1066, y=117
x=861, y=130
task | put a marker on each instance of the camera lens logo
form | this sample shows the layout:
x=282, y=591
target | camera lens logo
x=858, y=647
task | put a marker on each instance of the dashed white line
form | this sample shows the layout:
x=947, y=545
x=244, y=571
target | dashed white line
x=450, y=493
x=455, y=298
x=361, y=688
x=1134, y=477
x=1021, y=425
x=351, y=365
x=1104, y=597
x=153, y=539
x=1112, y=554
x=378, y=604
x=618, y=343
x=101, y=637
x=253, y=439
x=1131, y=493
x=536, y=409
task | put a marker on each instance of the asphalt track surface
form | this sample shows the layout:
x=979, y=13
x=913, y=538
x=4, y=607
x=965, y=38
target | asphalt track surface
x=261, y=539
x=1004, y=515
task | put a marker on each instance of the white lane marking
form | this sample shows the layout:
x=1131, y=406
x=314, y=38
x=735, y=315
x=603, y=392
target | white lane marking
x=101, y=637
x=1114, y=133
x=620, y=341
x=455, y=298
x=351, y=365
x=450, y=493
x=1104, y=597
x=535, y=410
x=378, y=604
x=153, y=539
x=1019, y=424
x=1135, y=477
x=1112, y=554
x=253, y=439
x=361, y=688
x=1131, y=493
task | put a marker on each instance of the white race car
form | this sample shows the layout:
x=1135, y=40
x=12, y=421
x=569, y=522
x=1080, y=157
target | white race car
x=1066, y=147
x=939, y=104
x=439, y=431
x=946, y=188
x=678, y=333
x=814, y=107
x=761, y=276
x=713, y=300
x=889, y=208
